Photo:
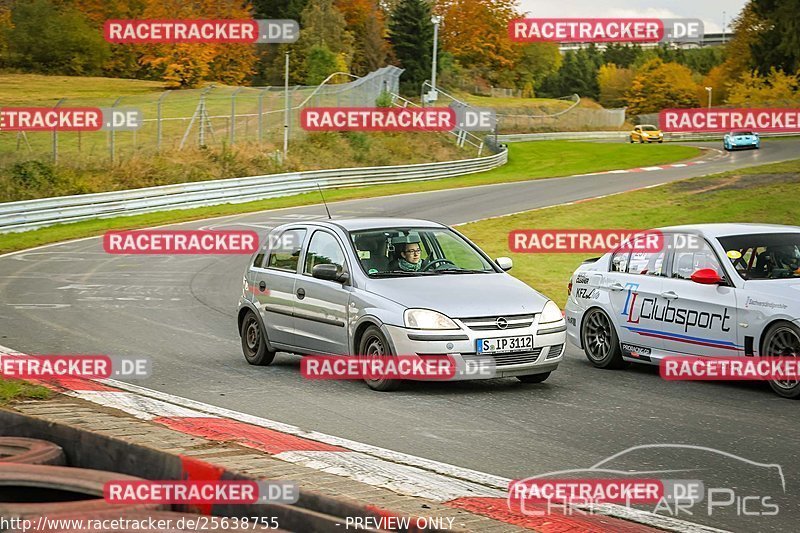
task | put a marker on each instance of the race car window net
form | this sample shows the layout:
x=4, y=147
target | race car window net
x=764, y=255
x=380, y=252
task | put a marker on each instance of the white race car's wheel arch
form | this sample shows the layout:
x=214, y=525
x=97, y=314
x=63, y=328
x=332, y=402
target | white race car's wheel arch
x=613, y=357
x=784, y=388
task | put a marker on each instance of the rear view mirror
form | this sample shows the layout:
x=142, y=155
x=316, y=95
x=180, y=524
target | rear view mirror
x=706, y=276
x=505, y=263
x=329, y=273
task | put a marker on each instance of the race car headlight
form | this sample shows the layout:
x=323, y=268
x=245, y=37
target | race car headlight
x=427, y=319
x=551, y=313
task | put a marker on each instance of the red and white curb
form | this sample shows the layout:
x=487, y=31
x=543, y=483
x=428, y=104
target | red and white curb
x=645, y=169
x=477, y=492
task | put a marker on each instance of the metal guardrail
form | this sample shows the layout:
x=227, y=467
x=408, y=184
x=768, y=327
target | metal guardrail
x=602, y=135
x=33, y=214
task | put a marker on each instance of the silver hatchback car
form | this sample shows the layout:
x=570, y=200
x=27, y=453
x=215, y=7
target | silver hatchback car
x=385, y=286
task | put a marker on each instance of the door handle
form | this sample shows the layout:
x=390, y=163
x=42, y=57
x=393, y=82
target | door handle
x=616, y=286
x=669, y=295
x=262, y=286
x=301, y=293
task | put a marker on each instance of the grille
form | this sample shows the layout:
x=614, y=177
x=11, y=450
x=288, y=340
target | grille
x=555, y=351
x=517, y=358
x=489, y=323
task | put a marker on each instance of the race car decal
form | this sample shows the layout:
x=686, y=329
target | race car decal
x=699, y=341
x=639, y=352
x=587, y=293
x=651, y=309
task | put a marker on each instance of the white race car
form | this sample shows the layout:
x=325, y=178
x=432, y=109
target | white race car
x=712, y=290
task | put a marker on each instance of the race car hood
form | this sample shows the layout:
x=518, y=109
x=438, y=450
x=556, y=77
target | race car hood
x=462, y=295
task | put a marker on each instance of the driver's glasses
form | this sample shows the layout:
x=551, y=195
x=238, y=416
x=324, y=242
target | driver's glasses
x=415, y=251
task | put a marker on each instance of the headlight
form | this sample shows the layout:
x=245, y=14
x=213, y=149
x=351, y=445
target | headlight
x=551, y=313
x=427, y=319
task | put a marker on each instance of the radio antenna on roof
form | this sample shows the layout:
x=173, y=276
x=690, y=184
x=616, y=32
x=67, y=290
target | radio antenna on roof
x=324, y=202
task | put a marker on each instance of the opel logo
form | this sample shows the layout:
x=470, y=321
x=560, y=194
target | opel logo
x=502, y=323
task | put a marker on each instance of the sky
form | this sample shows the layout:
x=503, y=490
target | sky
x=709, y=11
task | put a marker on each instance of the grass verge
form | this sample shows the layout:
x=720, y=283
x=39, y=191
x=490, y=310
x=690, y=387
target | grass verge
x=765, y=194
x=13, y=389
x=527, y=161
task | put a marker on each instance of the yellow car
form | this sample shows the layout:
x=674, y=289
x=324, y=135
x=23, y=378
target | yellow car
x=646, y=133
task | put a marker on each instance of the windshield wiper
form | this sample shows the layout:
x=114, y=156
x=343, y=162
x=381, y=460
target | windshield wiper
x=461, y=271
x=395, y=273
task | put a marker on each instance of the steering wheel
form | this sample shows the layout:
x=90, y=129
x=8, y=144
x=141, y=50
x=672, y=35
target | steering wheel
x=436, y=262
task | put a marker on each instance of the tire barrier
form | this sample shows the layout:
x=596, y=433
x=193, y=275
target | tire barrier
x=43, y=490
x=30, y=451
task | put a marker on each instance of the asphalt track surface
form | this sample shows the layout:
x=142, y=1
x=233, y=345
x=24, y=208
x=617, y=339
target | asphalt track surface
x=180, y=311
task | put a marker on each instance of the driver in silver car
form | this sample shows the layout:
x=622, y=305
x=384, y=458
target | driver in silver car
x=407, y=255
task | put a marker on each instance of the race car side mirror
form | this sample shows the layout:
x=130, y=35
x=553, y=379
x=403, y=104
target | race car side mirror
x=505, y=263
x=706, y=276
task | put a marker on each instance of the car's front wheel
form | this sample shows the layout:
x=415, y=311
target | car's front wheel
x=600, y=340
x=783, y=340
x=254, y=344
x=374, y=344
x=534, y=378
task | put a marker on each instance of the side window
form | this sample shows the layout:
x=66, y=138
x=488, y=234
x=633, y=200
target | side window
x=688, y=260
x=258, y=262
x=650, y=264
x=324, y=249
x=285, y=254
x=619, y=262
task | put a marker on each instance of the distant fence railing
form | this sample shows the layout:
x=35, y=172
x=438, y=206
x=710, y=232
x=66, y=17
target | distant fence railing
x=32, y=214
x=611, y=135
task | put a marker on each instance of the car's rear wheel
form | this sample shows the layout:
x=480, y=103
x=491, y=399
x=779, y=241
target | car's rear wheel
x=641, y=140
x=534, y=378
x=783, y=340
x=254, y=344
x=600, y=340
x=374, y=344
x=631, y=139
x=660, y=141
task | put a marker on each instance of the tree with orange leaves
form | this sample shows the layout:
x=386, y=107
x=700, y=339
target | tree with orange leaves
x=476, y=34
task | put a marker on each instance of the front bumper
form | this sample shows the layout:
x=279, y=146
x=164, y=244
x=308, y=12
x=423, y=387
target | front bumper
x=461, y=344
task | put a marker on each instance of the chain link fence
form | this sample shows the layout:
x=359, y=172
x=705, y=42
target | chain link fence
x=211, y=116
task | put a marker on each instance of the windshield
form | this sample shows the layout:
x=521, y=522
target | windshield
x=737, y=133
x=649, y=128
x=764, y=256
x=398, y=252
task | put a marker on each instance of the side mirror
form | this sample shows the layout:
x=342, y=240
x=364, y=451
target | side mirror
x=706, y=276
x=329, y=273
x=505, y=263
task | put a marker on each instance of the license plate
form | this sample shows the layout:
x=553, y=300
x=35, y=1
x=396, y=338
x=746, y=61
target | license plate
x=520, y=343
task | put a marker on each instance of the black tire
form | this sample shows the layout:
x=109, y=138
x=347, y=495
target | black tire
x=600, y=341
x=783, y=339
x=534, y=378
x=660, y=141
x=49, y=490
x=30, y=451
x=374, y=344
x=254, y=344
x=631, y=139
x=641, y=140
